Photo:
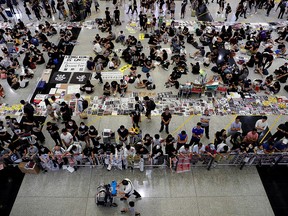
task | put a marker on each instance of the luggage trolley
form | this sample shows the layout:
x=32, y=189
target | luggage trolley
x=105, y=194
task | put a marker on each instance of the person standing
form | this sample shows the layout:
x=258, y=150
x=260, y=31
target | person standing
x=270, y=5
x=235, y=127
x=282, y=6
x=244, y=10
x=182, y=139
x=239, y=10
x=261, y=126
x=172, y=9
x=129, y=189
x=28, y=109
x=149, y=105
x=135, y=7
x=197, y=134
x=66, y=138
x=123, y=134
x=53, y=131
x=228, y=10
x=165, y=120
x=130, y=7
x=117, y=16
x=183, y=9
x=205, y=119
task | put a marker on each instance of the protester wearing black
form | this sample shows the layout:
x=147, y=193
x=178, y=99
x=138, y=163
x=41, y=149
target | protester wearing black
x=165, y=120
x=53, y=131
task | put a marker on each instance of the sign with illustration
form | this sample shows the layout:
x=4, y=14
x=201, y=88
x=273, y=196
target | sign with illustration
x=80, y=78
x=60, y=77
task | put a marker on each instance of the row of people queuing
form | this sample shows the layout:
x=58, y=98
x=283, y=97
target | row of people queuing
x=77, y=145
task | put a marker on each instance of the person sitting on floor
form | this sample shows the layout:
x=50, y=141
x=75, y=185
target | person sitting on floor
x=23, y=82
x=139, y=83
x=88, y=87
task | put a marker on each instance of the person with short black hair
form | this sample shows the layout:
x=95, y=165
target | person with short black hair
x=123, y=134
x=165, y=120
x=53, y=131
x=197, y=134
x=128, y=189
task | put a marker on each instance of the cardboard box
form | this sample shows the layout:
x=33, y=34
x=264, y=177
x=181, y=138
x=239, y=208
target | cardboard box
x=34, y=170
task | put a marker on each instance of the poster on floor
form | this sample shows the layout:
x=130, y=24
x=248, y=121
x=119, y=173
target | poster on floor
x=60, y=77
x=80, y=78
x=183, y=164
x=74, y=64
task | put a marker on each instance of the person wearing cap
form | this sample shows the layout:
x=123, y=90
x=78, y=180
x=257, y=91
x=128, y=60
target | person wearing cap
x=165, y=120
x=261, y=126
x=281, y=145
x=197, y=134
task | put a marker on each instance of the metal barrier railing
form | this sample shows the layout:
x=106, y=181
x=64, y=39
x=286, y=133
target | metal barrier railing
x=181, y=164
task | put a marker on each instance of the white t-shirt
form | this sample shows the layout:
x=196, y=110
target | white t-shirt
x=137, y=82
x=67, y=138
x=56, y=106
x=184, y=151
x=198, y=150
x=97, y=48
x=220, y=147
x=78, y=149
x=261, y=124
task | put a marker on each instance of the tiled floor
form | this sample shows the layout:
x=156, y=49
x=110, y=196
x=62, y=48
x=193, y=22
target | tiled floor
x=222, y=191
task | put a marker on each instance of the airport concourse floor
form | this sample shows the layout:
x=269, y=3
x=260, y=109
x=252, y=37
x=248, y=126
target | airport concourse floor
x=222, y=191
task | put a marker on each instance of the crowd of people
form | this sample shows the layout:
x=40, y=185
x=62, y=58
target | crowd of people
x=76, y=145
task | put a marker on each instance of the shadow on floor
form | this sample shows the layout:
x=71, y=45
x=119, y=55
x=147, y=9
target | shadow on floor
x=10, y=182
x=275, y=182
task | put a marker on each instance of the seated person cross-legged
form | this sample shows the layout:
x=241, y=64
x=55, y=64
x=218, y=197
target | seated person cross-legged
x=138, y=84
x=88, y=87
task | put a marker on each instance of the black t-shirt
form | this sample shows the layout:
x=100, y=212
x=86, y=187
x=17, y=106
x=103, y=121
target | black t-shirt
x=123, y=133
x=87, y=151
x=71, y=129
x=82, y=131
x=53, y=130
x=109, y=148
x=98, y=149
x=283, y=127
x=93, y=133
x=166, y=117
x=117, y=13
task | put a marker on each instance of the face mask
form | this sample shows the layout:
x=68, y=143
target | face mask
x=121, y=130
x=71, y=124
x=8, y=121
x=83, y=126
x=91, y=129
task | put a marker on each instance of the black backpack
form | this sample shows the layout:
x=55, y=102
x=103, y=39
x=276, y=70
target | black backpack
x=84, y=104
x=152, y=105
